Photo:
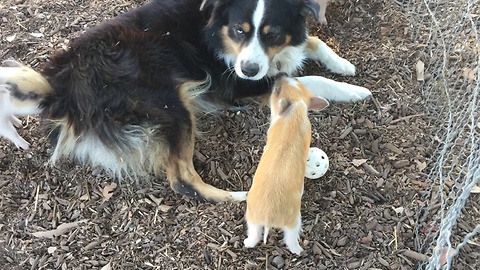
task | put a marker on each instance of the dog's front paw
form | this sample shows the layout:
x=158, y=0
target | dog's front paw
x=342, y=66
x=359, y=93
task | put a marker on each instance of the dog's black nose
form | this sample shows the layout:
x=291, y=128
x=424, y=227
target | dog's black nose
x=250, y=69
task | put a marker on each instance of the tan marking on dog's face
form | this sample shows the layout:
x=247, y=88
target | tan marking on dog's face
x=246, y=27
x=272, y=51
x=266, y=29
x=230, y=46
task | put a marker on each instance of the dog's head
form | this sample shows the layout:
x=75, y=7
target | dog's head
x=248, y=34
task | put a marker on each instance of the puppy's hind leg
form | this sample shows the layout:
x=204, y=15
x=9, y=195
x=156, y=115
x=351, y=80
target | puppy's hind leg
x=291, y=237
x=186, y=181
x=318, y=50
x=254, y=235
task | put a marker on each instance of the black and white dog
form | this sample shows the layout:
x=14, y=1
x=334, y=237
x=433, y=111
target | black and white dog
x=125, y=95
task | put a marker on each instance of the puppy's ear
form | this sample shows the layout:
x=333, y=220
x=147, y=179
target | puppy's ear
x=283, y=105
x=318, y=103
x=311, y=6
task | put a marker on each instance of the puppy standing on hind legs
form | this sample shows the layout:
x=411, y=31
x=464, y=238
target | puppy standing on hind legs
x=274, y=199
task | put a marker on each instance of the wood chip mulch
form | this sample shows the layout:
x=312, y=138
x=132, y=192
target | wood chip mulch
x=361, y=215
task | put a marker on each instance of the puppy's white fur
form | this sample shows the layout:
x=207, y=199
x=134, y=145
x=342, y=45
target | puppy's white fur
x=8, y=122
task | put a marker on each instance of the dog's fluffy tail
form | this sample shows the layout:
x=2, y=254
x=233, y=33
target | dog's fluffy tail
x=21, y=91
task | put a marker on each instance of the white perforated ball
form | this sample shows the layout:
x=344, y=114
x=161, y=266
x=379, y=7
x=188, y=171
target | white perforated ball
x=317, y=163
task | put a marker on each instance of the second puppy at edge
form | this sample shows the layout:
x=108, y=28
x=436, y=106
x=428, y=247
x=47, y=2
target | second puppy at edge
x=275, y=196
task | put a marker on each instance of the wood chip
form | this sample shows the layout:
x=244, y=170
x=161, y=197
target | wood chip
x=415, y=255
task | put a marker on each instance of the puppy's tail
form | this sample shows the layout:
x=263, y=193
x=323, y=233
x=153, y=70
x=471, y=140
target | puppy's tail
x=265, y=234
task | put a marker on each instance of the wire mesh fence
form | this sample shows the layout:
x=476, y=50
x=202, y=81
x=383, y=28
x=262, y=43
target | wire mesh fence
x=447, y=35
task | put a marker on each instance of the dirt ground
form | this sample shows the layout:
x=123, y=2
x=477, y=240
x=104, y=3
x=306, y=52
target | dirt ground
x=361, y=215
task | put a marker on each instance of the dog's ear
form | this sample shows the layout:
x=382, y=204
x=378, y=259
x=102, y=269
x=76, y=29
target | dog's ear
x=215, y=9
x=283, y=105
x=205, y=4
x=318, y=103
x=311, y=6
x=212, y=3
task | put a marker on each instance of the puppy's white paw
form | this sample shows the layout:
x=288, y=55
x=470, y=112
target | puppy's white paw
x=342, y=66
x=250, y=242
x=297, y=249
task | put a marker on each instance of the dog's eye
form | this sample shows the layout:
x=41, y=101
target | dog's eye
x=238, y=30
x=274, y=33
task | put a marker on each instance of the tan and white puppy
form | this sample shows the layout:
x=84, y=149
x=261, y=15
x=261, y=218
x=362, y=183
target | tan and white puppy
x=19, y=99
x=275, y=196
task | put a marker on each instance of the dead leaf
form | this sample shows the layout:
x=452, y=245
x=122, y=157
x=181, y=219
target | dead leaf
x=61, y=229
x=367, y=239
x=358, y=162
x=384, y=31
x=107, y=191
x=84, y=197
x=469, y=74
x=471, y=242
x=37, y=35
x=164, y=208
x=421, y=165
x=475, y=190
x=51, y=250
x=11, y=38
x=447, y=254
x=398, y=210
x=420, y=66
x=107, y=267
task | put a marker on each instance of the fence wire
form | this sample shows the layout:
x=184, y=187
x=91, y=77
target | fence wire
x=447, y=36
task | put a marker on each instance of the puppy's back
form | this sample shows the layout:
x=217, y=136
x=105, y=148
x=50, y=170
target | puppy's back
x=275, y=196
